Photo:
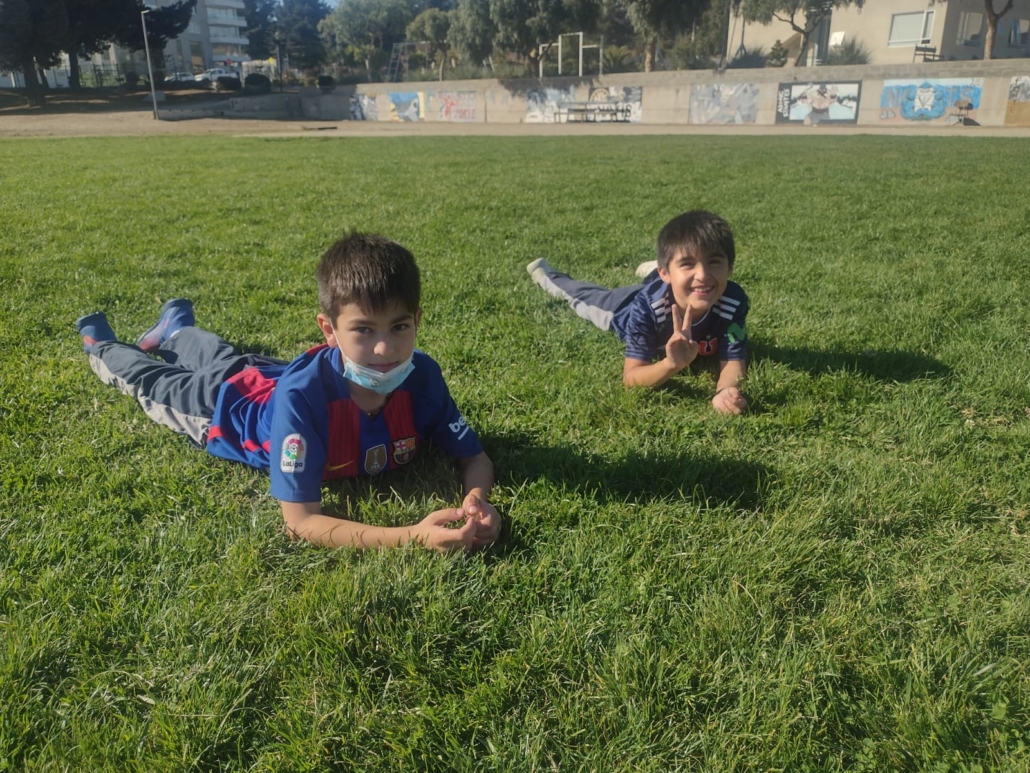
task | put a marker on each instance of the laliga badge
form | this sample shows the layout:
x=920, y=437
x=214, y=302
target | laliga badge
x=294, y=450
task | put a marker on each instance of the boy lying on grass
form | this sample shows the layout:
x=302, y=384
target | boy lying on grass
x=686, y=306
x=361, y=403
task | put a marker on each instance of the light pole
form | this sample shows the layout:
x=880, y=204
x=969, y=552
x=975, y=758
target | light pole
x=150, y=70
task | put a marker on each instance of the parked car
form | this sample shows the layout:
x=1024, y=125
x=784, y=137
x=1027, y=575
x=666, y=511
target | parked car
x=180, y=77
x=215, y=73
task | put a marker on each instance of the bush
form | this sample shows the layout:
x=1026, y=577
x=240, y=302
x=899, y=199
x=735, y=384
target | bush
x=777, y=55
x=256, y=83
x=227, y=83
x=849, y=52
x=131, y=79
x=619, y=59
x=748, y=60
x=326, y=82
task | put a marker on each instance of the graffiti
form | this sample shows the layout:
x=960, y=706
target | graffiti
x=812, y=104
x=363, y=107
x=545, y=105
x=948, y=100
x=1017, y=111
x=406, y=106
x=624, y=100
x=723, y=103
x=457, y=106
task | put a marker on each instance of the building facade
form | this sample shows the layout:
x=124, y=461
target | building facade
x=891, y=31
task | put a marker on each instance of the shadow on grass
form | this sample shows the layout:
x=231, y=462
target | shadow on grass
x=885, y=366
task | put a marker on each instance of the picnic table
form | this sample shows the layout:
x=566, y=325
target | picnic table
x=594, y=112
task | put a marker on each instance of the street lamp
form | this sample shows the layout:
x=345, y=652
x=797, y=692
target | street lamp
x=150, y=70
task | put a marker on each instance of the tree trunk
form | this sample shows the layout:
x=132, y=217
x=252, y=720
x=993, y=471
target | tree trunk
x=443, y=61
x=799, y=62
x=32, y=88
x=650, y=46
x=992, y=31
x=74, y=76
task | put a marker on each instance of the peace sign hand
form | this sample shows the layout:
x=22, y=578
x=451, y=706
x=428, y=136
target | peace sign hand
x=680, y=349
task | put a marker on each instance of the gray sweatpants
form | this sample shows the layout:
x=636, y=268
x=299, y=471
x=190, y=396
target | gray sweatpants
x=592, y=302
x=179, y=390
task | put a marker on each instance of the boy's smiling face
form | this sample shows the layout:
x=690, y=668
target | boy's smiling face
x=697, y=282
x=380, y=340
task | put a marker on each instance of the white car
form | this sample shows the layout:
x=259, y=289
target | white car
x=216, y=73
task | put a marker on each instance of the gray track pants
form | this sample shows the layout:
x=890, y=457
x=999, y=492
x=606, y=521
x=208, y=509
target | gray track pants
x=592, y=302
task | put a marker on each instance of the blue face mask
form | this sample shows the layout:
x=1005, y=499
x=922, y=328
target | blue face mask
x=370, y=378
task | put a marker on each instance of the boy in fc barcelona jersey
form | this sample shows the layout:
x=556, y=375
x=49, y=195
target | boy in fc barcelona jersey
x=686, y=308
x=364, y=402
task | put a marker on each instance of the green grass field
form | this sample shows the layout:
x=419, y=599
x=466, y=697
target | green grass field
x=837, y=581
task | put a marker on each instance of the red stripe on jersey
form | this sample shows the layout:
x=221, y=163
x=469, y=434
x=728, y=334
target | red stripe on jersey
x=250, y=445
x=400, y=423
x=213, y=432
x=344, y=440
x=252, y=385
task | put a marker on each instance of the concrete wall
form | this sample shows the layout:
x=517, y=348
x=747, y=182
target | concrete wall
x=995, y=93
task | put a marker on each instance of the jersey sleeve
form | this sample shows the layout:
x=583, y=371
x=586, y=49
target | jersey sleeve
x=642, y=333
x=445, y=427
x=733, y=343
x=297, y=449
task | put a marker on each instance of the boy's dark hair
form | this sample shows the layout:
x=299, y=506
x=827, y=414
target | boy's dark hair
x=369, y=270
x=697, y=233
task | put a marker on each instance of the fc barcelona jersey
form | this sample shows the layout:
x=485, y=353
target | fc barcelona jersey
x=299, y=422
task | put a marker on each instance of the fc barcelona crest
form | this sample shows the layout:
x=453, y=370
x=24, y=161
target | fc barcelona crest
x=375, y=459
x=404, y=450
x=708, y=347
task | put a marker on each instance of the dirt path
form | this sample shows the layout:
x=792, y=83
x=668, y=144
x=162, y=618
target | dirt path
x=136, y=123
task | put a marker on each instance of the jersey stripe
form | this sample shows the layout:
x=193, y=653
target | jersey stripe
x=400, y=421
x=344, y=438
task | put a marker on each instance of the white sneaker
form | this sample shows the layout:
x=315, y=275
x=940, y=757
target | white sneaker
x=538, y=270
x=646, y=268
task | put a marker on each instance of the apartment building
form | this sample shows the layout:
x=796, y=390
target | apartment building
x=892, y=29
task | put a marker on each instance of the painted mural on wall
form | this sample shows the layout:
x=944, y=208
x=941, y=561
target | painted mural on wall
x=626, y=101
x=545, y=105
x=1017, y=110
x=457, y=106
x=715, y=103
x=363, y=107
x=406, y=105
x=947, y=100
x=812, y=104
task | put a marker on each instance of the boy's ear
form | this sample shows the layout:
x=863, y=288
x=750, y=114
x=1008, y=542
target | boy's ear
x=326, y=326
x=418, y=318
x=663, y=273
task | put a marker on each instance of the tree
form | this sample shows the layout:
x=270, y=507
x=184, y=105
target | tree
x=32, y=35
x=993, y=17
x=472, y=30
x=791, y=12
x=362, y=28
x=260, y=16
x=298, y=29
x=654, y=19
x=433, y=26
x=523, y=26
x=163, y=24
x=92, y=25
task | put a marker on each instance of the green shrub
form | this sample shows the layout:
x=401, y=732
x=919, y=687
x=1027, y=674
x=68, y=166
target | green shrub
x=748, y=59
x=777, y=56
x=256, y=83
x=227, y=83
x=619, y=59
x=851, y=51
x=326, y=82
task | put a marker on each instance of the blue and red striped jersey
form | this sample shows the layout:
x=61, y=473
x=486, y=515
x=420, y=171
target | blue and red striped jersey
x=299, y=422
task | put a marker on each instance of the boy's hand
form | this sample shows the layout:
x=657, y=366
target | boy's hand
x=488, y=520
x=729, y=401
x=681, y=349
x=433, y=533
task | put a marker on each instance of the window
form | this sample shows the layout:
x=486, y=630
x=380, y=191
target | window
x=1019, y=32
x=223, y=32
x=969, y=25
x=910, y=29
x=222, y=13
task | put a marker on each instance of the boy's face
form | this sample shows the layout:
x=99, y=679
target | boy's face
x=696, y=281
x=381, y=340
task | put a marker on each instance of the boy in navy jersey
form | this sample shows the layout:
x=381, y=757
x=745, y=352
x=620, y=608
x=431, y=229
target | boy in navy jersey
x=686, y=307
x=361, y=403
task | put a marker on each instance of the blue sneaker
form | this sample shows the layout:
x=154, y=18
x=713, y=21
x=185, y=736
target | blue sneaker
x=94, y=328
x=175, y=315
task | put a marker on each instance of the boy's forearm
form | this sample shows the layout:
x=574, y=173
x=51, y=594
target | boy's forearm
x=654, y=374
x=305, y=521
x=731, y=374
x=477, y=475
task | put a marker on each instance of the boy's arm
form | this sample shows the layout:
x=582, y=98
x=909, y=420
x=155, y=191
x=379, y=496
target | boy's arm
x=305, y=520
x=680, y=351
x=477, y=478
x=728, y=398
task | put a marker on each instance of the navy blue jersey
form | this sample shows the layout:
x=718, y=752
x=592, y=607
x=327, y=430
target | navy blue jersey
x=300, y=422
x=645, y=323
